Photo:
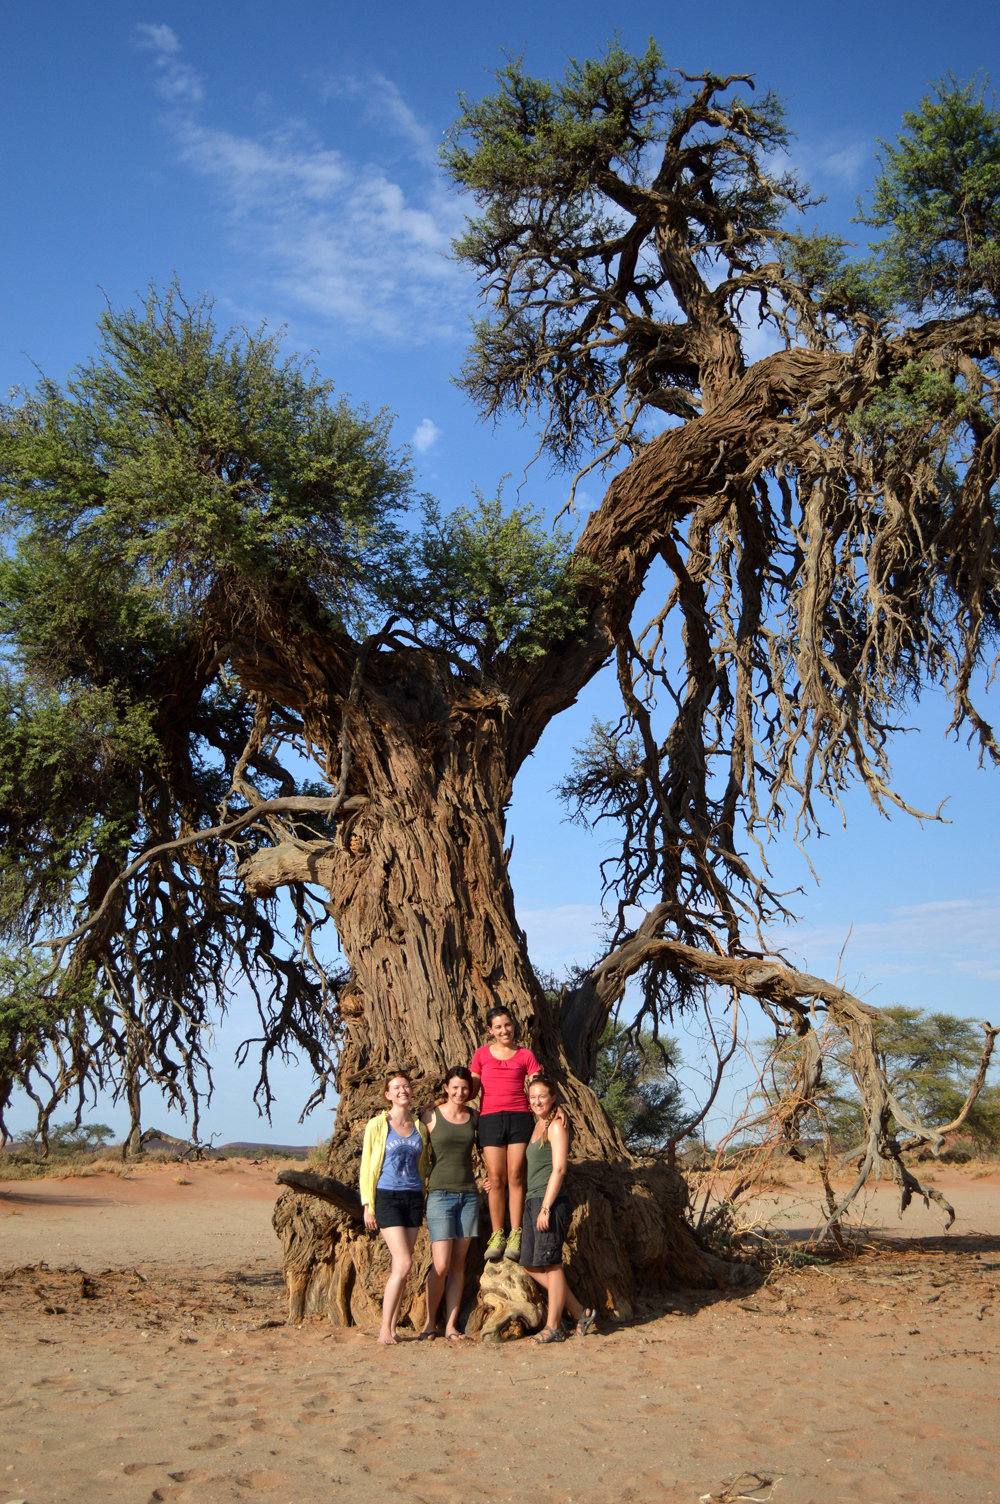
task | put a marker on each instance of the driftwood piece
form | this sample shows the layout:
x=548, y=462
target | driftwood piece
x=325, y=1187
x=514, y=1304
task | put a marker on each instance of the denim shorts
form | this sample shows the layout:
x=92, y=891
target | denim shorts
x=452, y=1214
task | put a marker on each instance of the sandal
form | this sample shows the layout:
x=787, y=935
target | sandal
x=586, y=1322
x=548, y=1334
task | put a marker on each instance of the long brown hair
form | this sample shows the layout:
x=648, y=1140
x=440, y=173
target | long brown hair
x=542, y=1079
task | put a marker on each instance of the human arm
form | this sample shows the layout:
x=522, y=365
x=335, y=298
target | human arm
x=478, y=1155
x=424, y=1162
x=367, y=1195
x=558, y=1137
x=476, y=1072
x=531, y=1068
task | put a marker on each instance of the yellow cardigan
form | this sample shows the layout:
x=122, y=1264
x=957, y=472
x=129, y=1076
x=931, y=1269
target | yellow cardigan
x=373, y=1153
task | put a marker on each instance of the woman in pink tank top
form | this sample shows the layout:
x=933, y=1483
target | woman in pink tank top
x=500, y=1070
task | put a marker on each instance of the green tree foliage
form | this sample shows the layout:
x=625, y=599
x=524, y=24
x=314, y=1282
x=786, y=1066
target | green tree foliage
x=938, y=195
x=635, y=1086
x=486, y=582
x=184, y=478
x=179, y=455
x=930, y=1062
x=178, y=469
x=570, y=177
x=628, y=221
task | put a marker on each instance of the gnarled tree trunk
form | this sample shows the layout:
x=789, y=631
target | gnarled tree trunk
x=418, y=888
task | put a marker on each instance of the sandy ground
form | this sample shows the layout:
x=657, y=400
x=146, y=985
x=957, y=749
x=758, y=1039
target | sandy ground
x=159, y=1368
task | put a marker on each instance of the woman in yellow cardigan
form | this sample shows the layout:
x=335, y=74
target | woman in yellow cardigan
x=394, y=1167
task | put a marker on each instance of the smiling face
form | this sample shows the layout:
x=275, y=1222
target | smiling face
x=399, y=1092
x=502, y=1029
x=541, y=1099
x=457, y=1091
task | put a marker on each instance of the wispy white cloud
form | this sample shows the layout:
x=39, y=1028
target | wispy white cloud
x=559, y=936
x=825, y=165
x=427, y=434
x=341, y=238
x=383, y=105
x=177, y=82
x=960, y=935
x=846, y=165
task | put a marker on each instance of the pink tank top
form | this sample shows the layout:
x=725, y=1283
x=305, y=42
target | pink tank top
x=503, y=1080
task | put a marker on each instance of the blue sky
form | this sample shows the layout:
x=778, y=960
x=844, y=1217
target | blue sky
x=283, y=159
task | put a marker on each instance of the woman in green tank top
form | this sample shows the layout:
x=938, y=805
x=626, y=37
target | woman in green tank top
x=452, y=1200
x=547, y=1211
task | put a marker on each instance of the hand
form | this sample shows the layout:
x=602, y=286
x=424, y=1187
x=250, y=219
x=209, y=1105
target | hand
x=486, y=1184
x=370, y=1222
x=542, y=1220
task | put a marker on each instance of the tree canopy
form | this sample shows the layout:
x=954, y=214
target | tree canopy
x=178, y=470
x=209, y=575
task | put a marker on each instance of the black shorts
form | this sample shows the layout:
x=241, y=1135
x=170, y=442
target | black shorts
x=399, y=1208
x=543, y=1250
x=497, y=1129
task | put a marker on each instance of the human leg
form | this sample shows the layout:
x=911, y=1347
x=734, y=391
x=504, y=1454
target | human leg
x=516, y=1182
x=400, y=1242
x=557, y=1291
x=496, y=1168
x=442, y=1227
x=551, y=1331
x=456, y=1284
x=437, y=1279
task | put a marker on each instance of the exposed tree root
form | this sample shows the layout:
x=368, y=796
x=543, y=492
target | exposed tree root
x=628, y=1238
x=510, y=1303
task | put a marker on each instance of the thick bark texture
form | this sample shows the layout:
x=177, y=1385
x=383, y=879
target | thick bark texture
x=418, y=888
x=423, y=751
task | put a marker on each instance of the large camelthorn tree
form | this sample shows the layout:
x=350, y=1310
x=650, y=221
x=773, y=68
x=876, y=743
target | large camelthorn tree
x=206, y=571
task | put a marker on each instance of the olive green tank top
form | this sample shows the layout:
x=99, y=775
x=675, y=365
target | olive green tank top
x=539, y=1157
x=452, y=1144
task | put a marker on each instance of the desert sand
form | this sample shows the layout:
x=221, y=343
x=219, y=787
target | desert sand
x=145, y=1358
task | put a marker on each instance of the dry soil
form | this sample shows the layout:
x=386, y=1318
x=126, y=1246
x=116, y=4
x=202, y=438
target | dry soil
x=145, y=1359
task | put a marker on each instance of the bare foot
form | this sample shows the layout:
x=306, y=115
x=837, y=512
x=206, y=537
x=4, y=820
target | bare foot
x=387, y=1339
x=455, y=1336
x=428, y=1334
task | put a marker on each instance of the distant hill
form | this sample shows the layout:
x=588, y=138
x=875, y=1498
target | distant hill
x=297, y=1151
x=224, y=1151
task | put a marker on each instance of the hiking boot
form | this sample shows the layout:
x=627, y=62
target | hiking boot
x=513, y=1249
x=495, y=1247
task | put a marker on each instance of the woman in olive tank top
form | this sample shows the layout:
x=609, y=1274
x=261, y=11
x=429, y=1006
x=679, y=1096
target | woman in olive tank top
x=452, y=1200
x=547, y=1211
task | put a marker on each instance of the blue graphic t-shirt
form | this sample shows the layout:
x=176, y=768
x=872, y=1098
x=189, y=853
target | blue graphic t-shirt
x=399, y=1167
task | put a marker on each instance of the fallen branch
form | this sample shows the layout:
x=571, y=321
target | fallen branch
x=325, y=1187
x=773, y=982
